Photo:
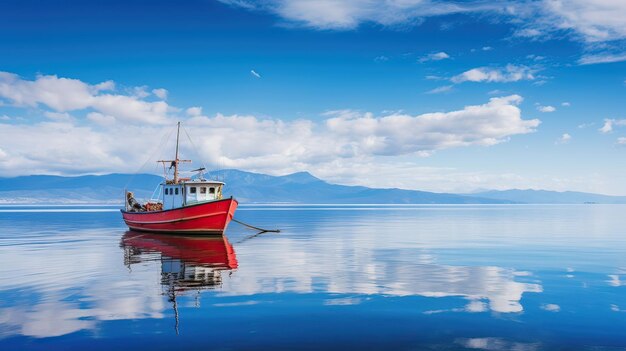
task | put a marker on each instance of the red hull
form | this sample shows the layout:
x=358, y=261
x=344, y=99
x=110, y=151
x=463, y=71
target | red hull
x=207, y=217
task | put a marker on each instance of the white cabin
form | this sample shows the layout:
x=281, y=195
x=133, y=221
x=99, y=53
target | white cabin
x=190, y=192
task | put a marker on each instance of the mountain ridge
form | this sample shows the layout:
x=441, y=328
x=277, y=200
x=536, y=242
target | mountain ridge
x=250, y=187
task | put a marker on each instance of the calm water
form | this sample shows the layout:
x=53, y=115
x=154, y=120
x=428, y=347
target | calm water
x=336, y=277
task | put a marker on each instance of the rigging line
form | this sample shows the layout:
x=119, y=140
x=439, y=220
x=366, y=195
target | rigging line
x=158, y=146
x=195, y=149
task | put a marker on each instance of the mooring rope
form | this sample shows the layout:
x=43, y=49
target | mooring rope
x=257, y=228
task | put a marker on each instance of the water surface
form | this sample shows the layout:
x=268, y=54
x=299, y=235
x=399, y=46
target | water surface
x=498, y=277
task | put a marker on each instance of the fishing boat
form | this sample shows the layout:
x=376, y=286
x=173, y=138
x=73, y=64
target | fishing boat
x=183, y=205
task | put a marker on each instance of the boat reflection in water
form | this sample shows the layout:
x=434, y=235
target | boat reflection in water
x=188, y=263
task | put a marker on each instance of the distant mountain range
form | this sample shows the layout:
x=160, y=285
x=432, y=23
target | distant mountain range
x=550, y=197
x=250, y=187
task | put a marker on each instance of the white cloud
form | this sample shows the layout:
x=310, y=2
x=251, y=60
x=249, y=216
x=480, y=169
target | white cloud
x=140, y=92
x=528, y=33
x=621, y=140
x=349, y=14
x=594, y=20
x=564, y=139
x=591, y=59
x=535, y=57
x=438, y=56
x=442, y=89
x=99, y=118
x=194, y=111
x=58, y=116
x=103, y=135
x=433, y=77
x=255, y=74
x=65, y=95
x=590, y=21
x=610, y=123
x=546, y=108
x=267, y=145
x=607, y=127
x=487, y=48
x=510, y=73
x=160, y=93
x=474, y=125
x=566, y=104
x=381, y=58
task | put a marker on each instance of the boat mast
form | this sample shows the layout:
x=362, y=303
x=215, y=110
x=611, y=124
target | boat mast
x=176, y=159
x=173, y=163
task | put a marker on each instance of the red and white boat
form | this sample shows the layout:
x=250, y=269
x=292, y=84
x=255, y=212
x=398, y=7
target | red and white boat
x=183, y=206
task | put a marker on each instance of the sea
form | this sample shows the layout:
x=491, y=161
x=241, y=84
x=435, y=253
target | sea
x=336, y=277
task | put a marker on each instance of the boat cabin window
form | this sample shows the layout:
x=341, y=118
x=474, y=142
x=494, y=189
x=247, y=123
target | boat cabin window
x=192, y=190
x=167, y=191
x=176, y=191
x=203, y=190
x=211, y=190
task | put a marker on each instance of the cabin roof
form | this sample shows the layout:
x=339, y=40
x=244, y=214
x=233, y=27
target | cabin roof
x=199, y=182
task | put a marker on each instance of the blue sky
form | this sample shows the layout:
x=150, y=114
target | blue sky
x=417, y=94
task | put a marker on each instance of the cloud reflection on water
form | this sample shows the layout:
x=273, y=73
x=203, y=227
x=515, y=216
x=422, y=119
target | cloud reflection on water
x=69, y=297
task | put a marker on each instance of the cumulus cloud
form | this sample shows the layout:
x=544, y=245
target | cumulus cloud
x=194, y=111
x=66, y=95
x=486, y=124
x=58, y=116
x=564, y=139
x=99, y=138
x=607, y=127
x=101, y=119
x=546, y=108
x=510, y=73
x=610, y=123
x=160, y=93
x=438, y=56
x=99, y=131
